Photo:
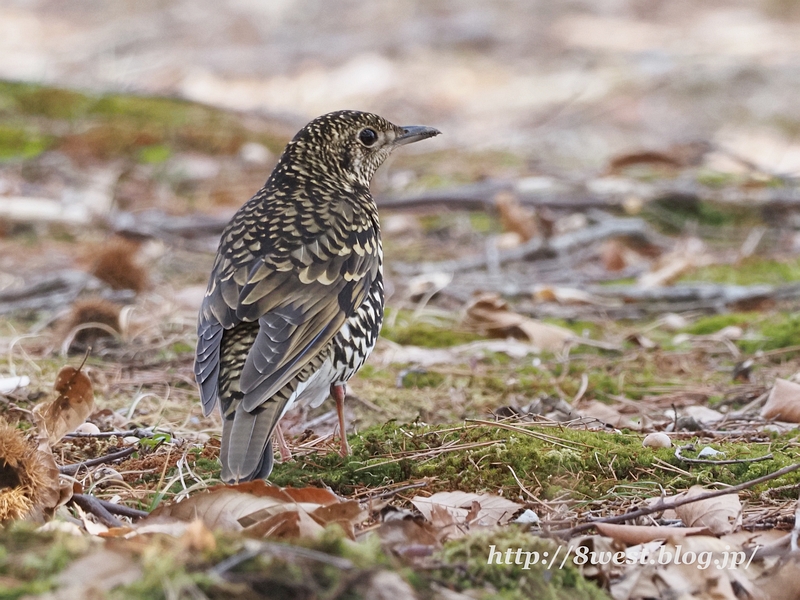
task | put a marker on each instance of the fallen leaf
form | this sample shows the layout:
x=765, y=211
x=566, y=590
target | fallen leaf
x=721, y=515
x=494, y=510
x=783, y=403
x=514, y=217
x=641, y=534
x=70, y=408
x=260, y=509
x=687, y=255
x=490, y=315
x=409, y=537
x=780, y=582
x=690, y=567
x=567, y=295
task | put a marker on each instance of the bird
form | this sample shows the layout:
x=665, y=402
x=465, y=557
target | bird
x=295, y=298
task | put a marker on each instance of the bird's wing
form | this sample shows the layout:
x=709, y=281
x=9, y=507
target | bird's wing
x=300, y=295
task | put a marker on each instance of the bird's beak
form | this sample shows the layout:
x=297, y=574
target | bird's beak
x=415, y=133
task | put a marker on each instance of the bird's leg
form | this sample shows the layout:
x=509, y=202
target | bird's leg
x=283, y=447
x=338, y=391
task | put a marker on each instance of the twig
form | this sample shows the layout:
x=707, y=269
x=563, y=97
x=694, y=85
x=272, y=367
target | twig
x=122, y=510
x=663, y=505
x=708, y=461
x=403, y=488
x=522, y=487
x=562, y=244
x=93, y=505
x=74, y=468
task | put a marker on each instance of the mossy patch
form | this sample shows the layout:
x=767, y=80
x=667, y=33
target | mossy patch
x=21, y=142
x=675, y=212
x=780, y=330
x=713, y=323
x=466, y=564
x=408, y=331
x=30, y=559
x=584, y=465
x=114, y=125
x=751, y=271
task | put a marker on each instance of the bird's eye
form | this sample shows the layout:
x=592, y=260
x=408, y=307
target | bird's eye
x=368, y=136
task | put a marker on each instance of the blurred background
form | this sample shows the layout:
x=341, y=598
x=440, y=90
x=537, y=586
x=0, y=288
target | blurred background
x=566, y=85
x=619, y=168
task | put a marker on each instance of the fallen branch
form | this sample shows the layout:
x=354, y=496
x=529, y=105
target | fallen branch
x=93, y=506
x=122, y=510
x=709, y=461
x=537, y=247
x=663, y=505
x=56, y=290
x=100, y=460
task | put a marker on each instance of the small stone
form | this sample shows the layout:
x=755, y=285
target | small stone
x=87, y=429
x=529, y=517
x=657, y=440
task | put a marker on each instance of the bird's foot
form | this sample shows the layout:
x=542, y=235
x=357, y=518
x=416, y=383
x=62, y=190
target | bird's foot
x=283, y=447
x=339, y=391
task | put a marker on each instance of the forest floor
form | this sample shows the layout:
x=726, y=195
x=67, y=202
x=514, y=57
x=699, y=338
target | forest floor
x=537, y=331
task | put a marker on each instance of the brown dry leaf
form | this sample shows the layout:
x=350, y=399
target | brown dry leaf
x=286, y=525
x=566, y=295
x=610, y=415
x=446, y=524
x=651, y=158
x=780, y=582
x=613, y=256
x=494, y=510
x=687, y=255
x=71, y=407
x=632, y=535
x=783, y=403
x=642, y=341
x=409, y=537
x=720, y=515
x=514, y=217
x=676, y=570
x=264, y=510
x=490, y=315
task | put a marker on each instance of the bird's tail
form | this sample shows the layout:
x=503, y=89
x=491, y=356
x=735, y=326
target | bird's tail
x=246, y=451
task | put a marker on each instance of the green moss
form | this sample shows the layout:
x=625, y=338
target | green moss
x=37, y=100
x=114, y=125
x=154, y=154
x=750, y=271
x=422, y=379
x=713, y=323
x=466, y=565
x=21, y=143
x=781, y=330
x=409, y=332
x=32, y=558
x=716, y=179
x=767, y=331
x=582, y=464
x=673, y=213
x=484, y=223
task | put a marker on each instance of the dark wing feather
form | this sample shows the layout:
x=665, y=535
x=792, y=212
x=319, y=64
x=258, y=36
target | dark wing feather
x=300, y=294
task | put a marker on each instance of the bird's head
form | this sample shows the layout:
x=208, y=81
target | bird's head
x=347, y=145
